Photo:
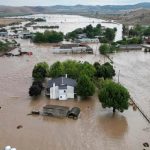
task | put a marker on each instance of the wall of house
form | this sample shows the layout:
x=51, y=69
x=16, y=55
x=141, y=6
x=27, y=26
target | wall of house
x=70, y=92
x=63, y=94
x=54, y=92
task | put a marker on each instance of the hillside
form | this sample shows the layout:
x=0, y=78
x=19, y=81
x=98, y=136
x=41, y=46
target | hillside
x=140, y=16
x=107, y=9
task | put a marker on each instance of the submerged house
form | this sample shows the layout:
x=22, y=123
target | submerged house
x=61, y=88
x=73, y=48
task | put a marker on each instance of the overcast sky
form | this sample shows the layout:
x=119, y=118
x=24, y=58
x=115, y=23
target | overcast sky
x=67, y=2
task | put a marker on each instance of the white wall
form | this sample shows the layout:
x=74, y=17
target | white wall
x=54, y=92
x=70, y=92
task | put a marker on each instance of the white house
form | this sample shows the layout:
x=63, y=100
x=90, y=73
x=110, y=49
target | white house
x=61, y=88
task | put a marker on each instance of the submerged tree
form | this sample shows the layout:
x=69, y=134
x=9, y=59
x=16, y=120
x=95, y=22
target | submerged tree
x=114, y=95
x=85, y=86
x=40, y=71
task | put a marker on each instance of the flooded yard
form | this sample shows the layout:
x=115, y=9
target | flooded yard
x=96, y=128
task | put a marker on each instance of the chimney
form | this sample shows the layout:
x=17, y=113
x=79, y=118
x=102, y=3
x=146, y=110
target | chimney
x=66, y=75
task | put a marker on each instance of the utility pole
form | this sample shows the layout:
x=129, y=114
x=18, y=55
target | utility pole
x=118, y=76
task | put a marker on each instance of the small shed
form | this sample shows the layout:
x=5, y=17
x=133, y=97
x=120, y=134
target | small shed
x=74, y=113
x=55, y=110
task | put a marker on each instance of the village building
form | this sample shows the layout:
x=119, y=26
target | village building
x=130, y=47
x=73, y=48
x=62, y=88
x=3, y=34
x=87, y=40
x=25, y=35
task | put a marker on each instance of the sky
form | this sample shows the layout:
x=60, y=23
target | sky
x=68, y=2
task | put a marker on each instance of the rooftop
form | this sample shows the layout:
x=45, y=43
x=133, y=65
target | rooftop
x=62, y=81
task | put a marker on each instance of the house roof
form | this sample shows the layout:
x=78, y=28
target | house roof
x=62, y=82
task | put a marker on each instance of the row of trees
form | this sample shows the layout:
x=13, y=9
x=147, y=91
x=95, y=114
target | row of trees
x=105, y=35
x=48, y=37
x=82, y=72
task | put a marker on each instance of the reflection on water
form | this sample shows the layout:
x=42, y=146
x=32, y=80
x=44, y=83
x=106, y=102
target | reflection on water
x=114, y=125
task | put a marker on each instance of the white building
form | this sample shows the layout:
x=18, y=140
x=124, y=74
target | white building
x=61, y=88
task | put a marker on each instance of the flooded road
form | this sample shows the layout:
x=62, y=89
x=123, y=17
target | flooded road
x=96, y=127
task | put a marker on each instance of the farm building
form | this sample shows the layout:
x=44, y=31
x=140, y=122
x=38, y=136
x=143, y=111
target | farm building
x=73, y=48
x=25, y=35
x=3, y=34
x=61, y=88
x=131, y=47
x=87, y=40
x=55, y=110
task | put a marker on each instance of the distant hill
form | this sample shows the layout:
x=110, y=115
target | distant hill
x=107, y=9
x=138, y=16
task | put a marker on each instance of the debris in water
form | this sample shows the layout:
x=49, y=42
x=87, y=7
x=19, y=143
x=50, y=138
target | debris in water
x=19, y=127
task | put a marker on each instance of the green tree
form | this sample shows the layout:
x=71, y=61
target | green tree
x=110, y=34
x=71, y=68
x=105, y=71
x=114, y=95
x=35, y=90
x=56, y=70
x=40, y=71
x=85, y=86
x=104, y=49
x=87, y=69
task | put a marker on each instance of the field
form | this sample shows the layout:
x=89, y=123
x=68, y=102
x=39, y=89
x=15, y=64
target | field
x=5, y=22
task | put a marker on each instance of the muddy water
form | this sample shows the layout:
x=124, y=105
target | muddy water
x=68, y=23
x=95, y=129
x=135, y=75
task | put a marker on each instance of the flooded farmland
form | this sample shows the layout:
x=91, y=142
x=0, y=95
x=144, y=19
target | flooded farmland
x=96, y=128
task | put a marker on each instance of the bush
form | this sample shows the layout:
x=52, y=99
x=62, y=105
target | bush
x=35, y=90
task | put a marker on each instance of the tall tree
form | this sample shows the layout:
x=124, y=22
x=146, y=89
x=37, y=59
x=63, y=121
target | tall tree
x=114, y=95
x=85, y=86
x=56, y=70
x=40, y=71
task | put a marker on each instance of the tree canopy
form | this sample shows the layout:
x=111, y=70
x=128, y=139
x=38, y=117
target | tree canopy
x=40, y=71
x=72, y=68
x=48, y=37
x=114, y=95
x=85, y=86
x=56, y=69
x=105, y=71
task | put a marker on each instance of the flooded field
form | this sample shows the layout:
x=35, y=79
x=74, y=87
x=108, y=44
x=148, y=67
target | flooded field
x=96, y=128
x=68, y=23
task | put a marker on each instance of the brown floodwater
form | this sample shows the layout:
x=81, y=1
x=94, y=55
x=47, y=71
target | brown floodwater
x=96, y=128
